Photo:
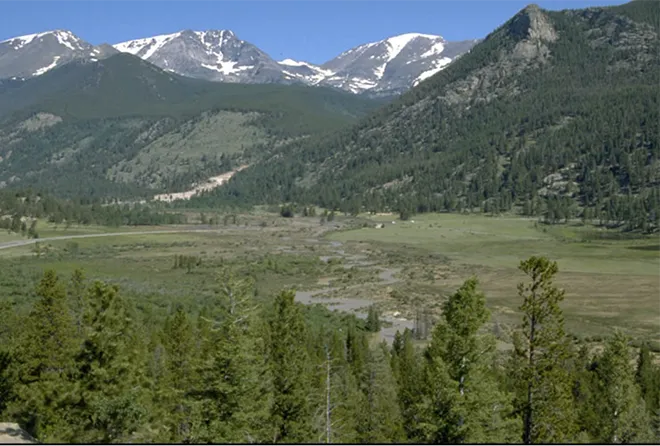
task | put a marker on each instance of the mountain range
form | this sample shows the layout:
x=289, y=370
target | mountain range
x=554, y=113
x=387, y=67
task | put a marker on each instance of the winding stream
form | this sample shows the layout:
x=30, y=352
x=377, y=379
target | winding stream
x=354, y=304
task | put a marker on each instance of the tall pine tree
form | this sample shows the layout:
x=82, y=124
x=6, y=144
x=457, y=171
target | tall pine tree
x=109, y=373
x=464, y=403
x=623, y=414
x=47, y=391
x=541, y=354
x=290, y=364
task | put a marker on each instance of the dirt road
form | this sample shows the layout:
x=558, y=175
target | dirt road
x=15, y=243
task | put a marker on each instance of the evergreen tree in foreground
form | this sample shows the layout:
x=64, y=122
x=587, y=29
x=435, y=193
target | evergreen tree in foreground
x=540, y=359
x=462, y=402
x=289, y=364
x=108, y=367
x=407, y=372
x=379, y=418
x=47, y=388
x=623, y=415
x=236, y=375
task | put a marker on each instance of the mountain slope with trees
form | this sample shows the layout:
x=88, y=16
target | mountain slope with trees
x=555, y=113
x=79, y=130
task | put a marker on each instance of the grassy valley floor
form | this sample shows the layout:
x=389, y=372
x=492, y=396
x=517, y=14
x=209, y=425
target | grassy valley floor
x=610, y=280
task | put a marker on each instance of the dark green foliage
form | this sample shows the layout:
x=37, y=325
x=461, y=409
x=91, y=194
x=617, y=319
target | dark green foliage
x=624, y=418
x=647, y=377
x=109, y=406
x=640, y=11
x=373, y=320
x=408, y=374
x=287, y=211
x=46, y=390
x=461, y=402
x=187, y=262
x=85, y=366
x=178, y=377
x=291, y=386
x=379, y=417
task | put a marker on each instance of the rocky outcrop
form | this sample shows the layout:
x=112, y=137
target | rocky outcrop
x=11, y=433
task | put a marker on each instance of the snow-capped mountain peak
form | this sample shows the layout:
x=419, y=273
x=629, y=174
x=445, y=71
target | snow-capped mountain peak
x=63, y=37
x=393, y=64
x=384, y=67
x=398, y=43
x=35, y=54
x=217, y=55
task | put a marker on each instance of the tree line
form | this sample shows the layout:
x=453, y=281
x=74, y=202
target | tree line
x=83, y=365
x=19, y=208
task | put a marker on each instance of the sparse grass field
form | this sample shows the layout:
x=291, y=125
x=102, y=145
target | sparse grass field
x=609, y=282
x=280, y=255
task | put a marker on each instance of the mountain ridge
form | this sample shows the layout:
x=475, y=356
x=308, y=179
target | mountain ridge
x=381, y=68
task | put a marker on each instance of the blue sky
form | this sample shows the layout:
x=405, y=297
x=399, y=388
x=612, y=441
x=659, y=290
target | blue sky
x=310, y=30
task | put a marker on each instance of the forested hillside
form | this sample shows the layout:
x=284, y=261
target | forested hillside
x=121, y=127
x=554, y=114
x=81, y=363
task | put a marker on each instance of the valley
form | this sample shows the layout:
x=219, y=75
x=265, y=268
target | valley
x=611, y=282
x=420, y=240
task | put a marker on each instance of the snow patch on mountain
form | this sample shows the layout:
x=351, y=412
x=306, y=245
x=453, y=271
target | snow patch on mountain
x=293, y=63
x=436, y=49
x=227, y=67
x=386, y=67
x=20, y=41
x=150, y=44
x=438, y=66
x=398, y=43
x=65, y=38
x=41, y=71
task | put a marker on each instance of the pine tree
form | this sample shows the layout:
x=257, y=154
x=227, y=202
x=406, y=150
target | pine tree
x=623, y=415
x=408, y=377
x=236, y=379
x=7, y=378
x=46, y=391
x=465, y=391
x=647, y=376
x=77, y=301
x=585, y=391
x=380, y=419
x=290, y=363
x=357, y=347
x=341, y=400
x=542, y=351
x=177, y=380
x=373, y=320
x=108, y=368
